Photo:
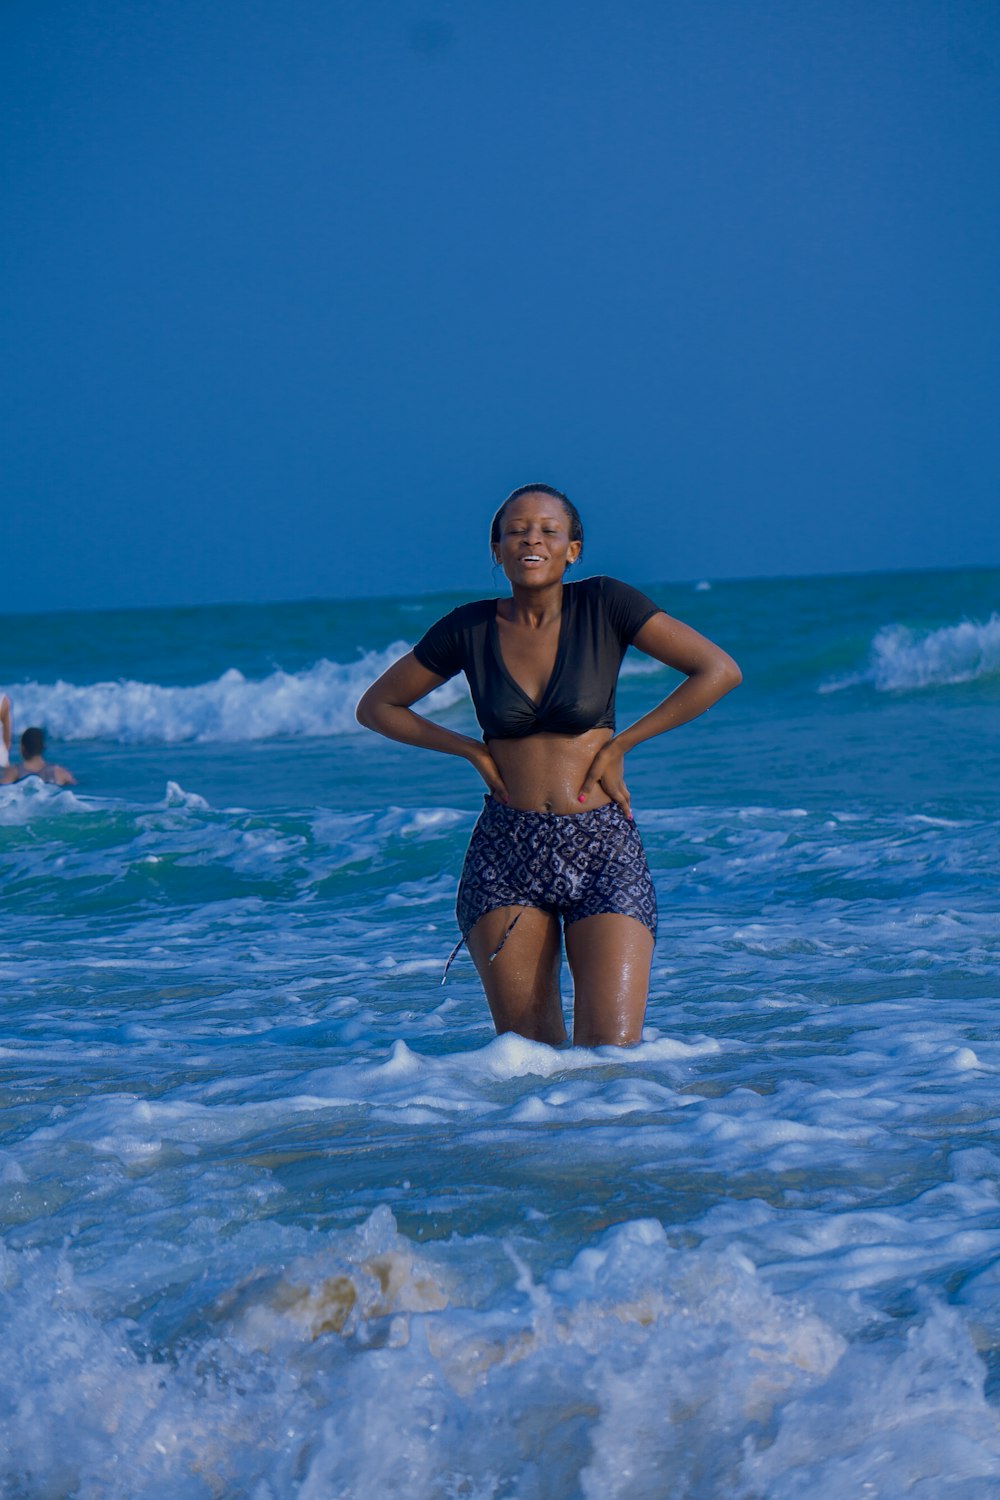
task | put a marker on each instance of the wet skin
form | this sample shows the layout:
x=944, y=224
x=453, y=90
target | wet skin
x=544, y=772
x=609, y=955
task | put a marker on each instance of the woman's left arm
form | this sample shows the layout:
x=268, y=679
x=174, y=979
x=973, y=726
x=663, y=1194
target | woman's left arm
x=709, y=674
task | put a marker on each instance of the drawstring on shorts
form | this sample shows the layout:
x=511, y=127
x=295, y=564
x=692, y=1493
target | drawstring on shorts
x=507, y=932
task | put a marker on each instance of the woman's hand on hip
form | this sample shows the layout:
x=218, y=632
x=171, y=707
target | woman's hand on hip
x=607, y=770
x=487, y=768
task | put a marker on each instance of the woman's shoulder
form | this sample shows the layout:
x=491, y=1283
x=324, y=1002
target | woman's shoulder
x=624, y=607
x=474, y=612
x=459, y=625
x=601, y=586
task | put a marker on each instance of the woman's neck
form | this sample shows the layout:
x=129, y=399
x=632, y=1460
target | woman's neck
x=535, y=607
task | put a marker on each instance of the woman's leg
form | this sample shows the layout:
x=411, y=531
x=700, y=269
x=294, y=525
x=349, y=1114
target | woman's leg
x=609, y=957
x=522, y=981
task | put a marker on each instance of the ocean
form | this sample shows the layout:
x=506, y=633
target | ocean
x=279, y=1215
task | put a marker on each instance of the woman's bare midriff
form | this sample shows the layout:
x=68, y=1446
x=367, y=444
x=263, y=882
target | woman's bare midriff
x=544, y=772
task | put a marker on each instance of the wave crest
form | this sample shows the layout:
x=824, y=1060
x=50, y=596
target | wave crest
x=902, y=659
x=319, y=701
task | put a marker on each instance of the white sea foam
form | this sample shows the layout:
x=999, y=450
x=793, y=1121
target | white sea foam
x=359, y=1362
x=635, y=665
x=902, y=659
x=319, y=701
x=22, y=801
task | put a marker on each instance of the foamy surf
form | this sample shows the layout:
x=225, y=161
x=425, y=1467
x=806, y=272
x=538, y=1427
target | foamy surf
x=357, y=1363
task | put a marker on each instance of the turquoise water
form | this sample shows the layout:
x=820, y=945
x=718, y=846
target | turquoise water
x=281, y=1217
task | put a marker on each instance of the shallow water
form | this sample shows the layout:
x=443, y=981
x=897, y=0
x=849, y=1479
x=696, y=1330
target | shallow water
x=281, y=1217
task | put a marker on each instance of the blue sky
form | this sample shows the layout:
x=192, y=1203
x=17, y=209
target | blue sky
x=294, y=292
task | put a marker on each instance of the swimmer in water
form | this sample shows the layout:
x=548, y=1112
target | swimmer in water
x=556, y=855
x=33, y=762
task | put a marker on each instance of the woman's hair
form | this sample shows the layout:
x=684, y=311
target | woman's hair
x=572, y=514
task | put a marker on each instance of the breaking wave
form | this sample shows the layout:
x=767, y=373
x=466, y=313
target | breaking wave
x=319, y=701
x=902, y=659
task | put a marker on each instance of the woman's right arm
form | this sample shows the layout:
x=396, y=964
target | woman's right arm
x=385, y=707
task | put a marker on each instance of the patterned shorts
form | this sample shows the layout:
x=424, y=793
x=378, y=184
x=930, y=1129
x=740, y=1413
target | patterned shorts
x=573, y=864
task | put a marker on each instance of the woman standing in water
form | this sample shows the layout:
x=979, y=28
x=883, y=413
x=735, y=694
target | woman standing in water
x=556, y=837
x=4, y=730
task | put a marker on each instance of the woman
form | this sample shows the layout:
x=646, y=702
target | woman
x=556, y=836
x=4, y=730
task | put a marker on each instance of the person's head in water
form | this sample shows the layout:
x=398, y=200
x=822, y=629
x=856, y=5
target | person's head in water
x=32, y=743
x=33, y=762
x=510, y=518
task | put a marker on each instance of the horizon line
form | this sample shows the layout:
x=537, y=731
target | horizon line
x=688, y=583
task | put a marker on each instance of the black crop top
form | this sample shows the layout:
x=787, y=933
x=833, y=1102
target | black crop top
x=600, y=619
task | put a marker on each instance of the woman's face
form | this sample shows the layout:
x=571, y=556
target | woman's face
x=534, y=547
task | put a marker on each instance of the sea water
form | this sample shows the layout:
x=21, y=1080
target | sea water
x=281, y=1217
